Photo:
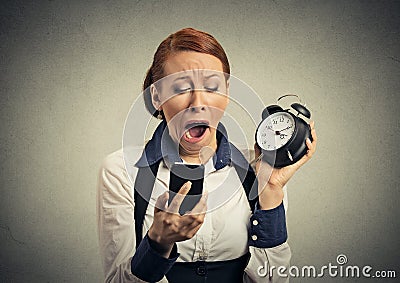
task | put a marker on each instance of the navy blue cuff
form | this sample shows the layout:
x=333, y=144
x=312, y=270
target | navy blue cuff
x=150, y=266
x=268, y=228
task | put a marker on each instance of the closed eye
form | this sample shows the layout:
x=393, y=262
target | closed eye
x=211, y=89
x=182, y=90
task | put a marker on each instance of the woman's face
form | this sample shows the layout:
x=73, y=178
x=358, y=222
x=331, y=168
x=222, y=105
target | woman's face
x=193, y=97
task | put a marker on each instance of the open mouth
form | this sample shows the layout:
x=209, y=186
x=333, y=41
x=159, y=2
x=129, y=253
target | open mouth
x=195, y=131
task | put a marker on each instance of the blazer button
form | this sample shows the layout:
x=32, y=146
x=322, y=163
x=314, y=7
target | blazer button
x=201, y=270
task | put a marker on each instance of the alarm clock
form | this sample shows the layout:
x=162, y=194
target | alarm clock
x=282, y=135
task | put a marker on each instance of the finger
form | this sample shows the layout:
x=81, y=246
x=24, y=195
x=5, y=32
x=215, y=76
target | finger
x=308, y=155
x=161, y=202
x=312, y=125
x=314, y=136
x=179, y=197
x=191, y=221
x=313, y=132
x=193, y=230
x=194, y=218
x=201, y=206
x=312, y=146
x=301, y=162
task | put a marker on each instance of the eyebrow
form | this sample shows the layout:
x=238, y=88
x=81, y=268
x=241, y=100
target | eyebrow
x=210, y=76
x=188, y=77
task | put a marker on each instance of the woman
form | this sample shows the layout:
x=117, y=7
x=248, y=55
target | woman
x=235, y=241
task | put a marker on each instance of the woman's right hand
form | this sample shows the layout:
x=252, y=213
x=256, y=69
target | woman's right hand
x=169, y=226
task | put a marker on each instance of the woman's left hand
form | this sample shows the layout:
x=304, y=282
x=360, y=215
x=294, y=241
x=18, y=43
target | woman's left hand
x=272, y=180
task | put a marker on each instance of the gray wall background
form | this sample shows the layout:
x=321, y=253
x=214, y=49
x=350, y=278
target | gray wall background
x=71, y=69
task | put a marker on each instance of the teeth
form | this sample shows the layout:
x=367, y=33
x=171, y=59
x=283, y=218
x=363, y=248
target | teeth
x=188, y=135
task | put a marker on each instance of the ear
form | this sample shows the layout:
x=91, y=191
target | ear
x=155, y=97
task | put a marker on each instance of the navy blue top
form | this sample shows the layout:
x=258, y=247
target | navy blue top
x=267, y=229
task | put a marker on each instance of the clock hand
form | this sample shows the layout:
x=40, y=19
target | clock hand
x=270, y=128
x=287, y=128
x=279, y=133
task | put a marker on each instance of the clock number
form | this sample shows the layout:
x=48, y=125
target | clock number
x=282, y=136
x=281, y=119
x=274, y=122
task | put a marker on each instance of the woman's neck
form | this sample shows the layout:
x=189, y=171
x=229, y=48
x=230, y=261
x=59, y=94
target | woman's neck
x=198, y=157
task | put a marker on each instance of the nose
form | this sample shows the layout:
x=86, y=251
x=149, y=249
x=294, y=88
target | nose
x=197, y=102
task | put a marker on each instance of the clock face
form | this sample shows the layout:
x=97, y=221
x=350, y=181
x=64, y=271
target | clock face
x=275, y=131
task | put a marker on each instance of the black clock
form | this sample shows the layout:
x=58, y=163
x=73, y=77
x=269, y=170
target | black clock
x=282, y=135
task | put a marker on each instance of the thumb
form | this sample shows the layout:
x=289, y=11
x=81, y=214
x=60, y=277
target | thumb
x=161, y=202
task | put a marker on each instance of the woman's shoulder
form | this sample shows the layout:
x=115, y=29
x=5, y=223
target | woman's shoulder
x=120, y=164
x=115, y=182
x=113, y=160
x=121, y=158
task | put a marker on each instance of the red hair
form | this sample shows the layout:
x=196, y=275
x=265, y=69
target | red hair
x=187, y=39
